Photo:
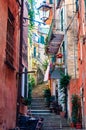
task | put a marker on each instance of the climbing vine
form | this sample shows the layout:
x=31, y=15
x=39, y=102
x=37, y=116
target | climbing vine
x=31, y=20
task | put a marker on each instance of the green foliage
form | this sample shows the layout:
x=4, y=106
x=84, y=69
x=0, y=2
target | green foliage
x=64, y=81
x=46, y=41
x=31, y=17
x=75, y=108
x=25, y=101
x=31, y=21
x=45, y=64
x=47, y=92
x=30, y=93
x=31, y=84
x=47, y=95
x=31, y=80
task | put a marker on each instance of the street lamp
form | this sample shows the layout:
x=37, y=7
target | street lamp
x=44, y=9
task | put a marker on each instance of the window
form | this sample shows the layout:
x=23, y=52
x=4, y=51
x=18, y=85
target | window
x=10, y=40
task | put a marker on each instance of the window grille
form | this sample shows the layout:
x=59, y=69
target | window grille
x=10, y=40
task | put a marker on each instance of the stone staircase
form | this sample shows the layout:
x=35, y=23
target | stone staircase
x=51, y=120
x=38, y=107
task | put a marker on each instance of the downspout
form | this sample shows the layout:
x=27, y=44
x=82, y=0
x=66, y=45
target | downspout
x=20, y=63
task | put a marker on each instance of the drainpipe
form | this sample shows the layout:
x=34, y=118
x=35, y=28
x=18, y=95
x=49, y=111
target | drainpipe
x=20, y=62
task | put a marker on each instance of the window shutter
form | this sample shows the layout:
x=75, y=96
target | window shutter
x=51, y=1
x=85, y=6
x=77, y=5
x=34, y=51
x=62, y=20
x=42, y=39
x=53, y=59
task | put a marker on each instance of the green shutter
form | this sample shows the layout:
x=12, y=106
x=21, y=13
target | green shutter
x=51, y=1
x=41, y=39
x=53, y=59
x=77, y=5
x=62, y=20
x=85, y=5
x=34, y=51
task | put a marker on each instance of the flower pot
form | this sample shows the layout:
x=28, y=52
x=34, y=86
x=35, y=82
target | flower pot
x=62, y=114
x=23, y=109
x=72, y=125
x=78, y=126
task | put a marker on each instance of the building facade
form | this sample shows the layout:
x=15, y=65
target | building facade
x=9, y=59
x=82, y=57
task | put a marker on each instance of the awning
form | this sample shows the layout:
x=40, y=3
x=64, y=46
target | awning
x=55, y=43
x=57, y=73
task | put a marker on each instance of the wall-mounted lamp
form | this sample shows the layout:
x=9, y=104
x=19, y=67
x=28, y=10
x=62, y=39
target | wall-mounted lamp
x=44, y=11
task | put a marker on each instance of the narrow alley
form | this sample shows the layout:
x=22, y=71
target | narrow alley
x=42, y=64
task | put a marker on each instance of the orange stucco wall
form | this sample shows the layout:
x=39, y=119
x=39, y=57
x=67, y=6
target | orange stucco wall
x=76, y=84
x=82, y=54
x=73, y=88
x=8, y=82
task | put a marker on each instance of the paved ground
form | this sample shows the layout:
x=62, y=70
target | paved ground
x=38, y=90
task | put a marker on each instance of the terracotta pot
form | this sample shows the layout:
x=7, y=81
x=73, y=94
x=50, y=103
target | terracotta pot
x=72, y=125
x=78, y=126
x=23, y=109
x=62, y=114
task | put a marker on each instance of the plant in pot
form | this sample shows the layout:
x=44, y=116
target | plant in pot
x=64, y=82
x=24, y=105
x=76, y=114
x=47, y=95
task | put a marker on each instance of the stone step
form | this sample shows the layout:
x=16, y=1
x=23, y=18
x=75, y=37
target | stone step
x=57, y=128
x=38, y=104
x=40, y=112
x=38, y=107
x=38, y=99
x=51, y=120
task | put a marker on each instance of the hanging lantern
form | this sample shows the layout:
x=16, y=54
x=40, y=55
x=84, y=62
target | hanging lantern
x=59, y=60
x=44, y=11
x=59, y=55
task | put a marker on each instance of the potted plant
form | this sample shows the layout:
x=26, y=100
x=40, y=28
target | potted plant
x=76, y=113
x=47, y=95
x=64, y=82
x=24, y=105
